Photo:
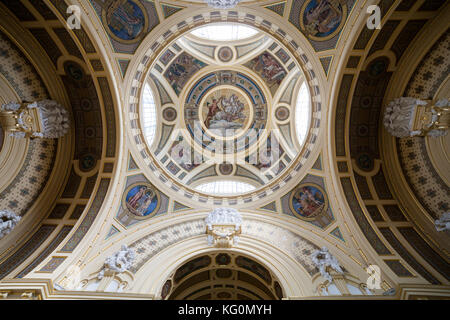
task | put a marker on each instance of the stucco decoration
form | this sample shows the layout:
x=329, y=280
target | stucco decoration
x=443, y=223
x=119, y=262
x=222, y=4
x=223, y=226
x=408, y=117
x=43, y=119
x=71, y=279
x=323, y=260
x=8, y=220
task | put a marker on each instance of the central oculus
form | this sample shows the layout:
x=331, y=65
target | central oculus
x=227, y=106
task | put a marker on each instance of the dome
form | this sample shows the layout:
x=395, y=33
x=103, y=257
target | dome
x=225, y=110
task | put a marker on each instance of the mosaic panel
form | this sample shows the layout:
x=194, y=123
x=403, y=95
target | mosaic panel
x=361, y=219
x=398, y=247
x=87, y=221
x=26, y=250
x=46, y=252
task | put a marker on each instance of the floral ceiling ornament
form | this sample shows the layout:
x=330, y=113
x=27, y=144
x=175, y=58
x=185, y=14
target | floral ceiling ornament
x=223, y=227
x=119, y=262
x=41, y=119
x=324, y=260
x=222, y=4
x=408, y=117
x=8, y=221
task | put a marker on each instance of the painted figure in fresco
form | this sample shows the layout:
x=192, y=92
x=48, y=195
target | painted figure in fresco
x=185, y=156
x=145, y=202
x=225, y=113
x=125, y=19
x=213, y=108
x=322, y=17
x=133, y=201
x=308, y=201
x=141, y=200
x=181, y=70
x=269, y=68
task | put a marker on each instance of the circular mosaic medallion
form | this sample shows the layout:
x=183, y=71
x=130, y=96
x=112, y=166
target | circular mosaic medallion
x=169, y=114
x=308, y=201
x=321, y=20
x=225, y=54
x=282, y=113
x=223, y=259
x=365, y=162
x=141, y=200
x=125, y=21
x=87, y=162
x=225, y=168
x=225, y=106
x=73, y=70
x=378, y=67
x=225, y=112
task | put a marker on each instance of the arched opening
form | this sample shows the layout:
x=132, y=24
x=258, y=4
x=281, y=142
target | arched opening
x=222, y=276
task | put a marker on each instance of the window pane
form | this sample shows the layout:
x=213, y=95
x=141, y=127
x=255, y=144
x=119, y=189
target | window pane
x=302, y=110
x=333, y=290
x=224, y=32
x=353, y=290
x=225, y=187
x=149, y=115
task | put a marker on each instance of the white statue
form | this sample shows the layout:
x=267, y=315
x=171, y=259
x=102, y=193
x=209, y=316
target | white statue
x=11, y=106
x=222, y=4
x=119, y=262
x=408, y=117
x=8, y=220
x=41, y=119
x=399, y=116
x=223, y=225
x=323, y=259
x=443, y=223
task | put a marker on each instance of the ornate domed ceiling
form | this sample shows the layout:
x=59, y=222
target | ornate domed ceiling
x=225, y=110
x=272, y=108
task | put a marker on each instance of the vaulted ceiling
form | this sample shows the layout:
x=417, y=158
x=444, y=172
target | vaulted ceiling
x=380, y=194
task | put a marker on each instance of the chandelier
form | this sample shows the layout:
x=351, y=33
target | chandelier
x=222, y=4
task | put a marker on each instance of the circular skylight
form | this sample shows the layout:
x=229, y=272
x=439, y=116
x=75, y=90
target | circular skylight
x=224, y=32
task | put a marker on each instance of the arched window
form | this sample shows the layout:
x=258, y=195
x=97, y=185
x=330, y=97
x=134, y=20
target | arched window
x=224, y=32
x=148, y=115
x=225, y=187
x=302, y=113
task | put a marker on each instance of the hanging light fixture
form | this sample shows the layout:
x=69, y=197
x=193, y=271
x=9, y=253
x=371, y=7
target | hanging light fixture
x=222, y=4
